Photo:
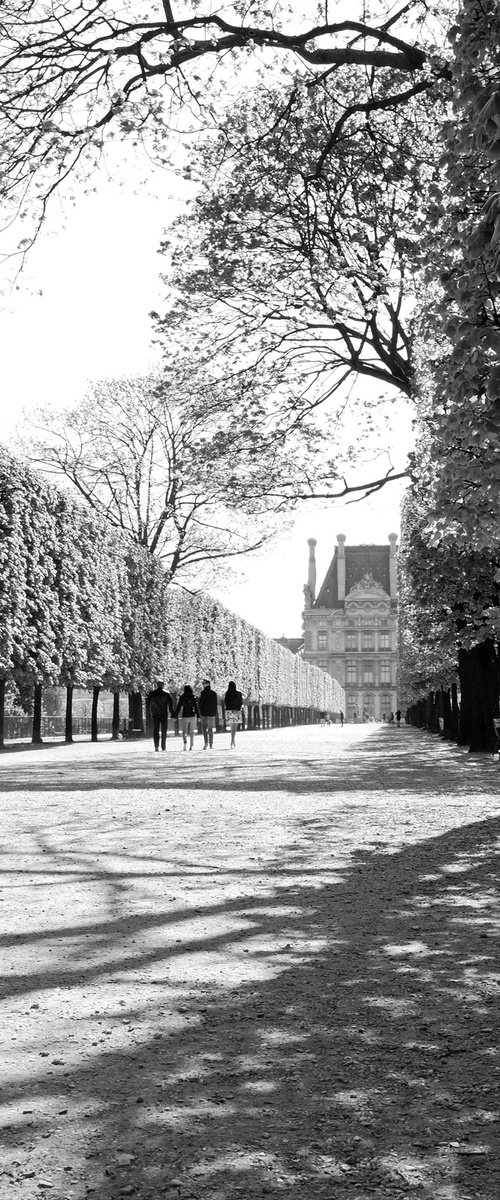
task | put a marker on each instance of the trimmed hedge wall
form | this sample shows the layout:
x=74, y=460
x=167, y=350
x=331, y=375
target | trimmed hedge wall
x=82, y=607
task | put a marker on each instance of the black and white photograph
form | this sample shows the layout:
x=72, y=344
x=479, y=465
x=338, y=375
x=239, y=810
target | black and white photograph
x=250, y=599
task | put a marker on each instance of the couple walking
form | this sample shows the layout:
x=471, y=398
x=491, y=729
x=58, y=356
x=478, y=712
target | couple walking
x=189, y=710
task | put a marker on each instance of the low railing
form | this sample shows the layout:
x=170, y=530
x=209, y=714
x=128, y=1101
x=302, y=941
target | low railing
x=22, y=727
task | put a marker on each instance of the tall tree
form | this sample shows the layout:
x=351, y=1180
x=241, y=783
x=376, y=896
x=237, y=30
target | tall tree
x=166, y=476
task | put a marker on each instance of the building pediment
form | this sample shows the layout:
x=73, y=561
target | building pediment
x=368, y=590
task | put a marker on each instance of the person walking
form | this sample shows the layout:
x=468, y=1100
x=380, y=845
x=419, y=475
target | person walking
x=159, y=705
x=207, y=704
x=398, y=717
x=188, y=710
x=341, y=718
x=233, y=703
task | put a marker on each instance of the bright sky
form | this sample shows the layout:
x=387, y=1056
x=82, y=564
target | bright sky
x=81, y=313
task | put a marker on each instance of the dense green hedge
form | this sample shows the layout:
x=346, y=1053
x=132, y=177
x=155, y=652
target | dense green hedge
x=80, y=605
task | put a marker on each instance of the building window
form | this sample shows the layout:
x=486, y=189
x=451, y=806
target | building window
x=323, y=663
x=368, y=643
x=322, y=640
x=384, y=641
x=385, y=706
x=351, y=641
x=351, y=673
x=385, y=672
x=368, y=676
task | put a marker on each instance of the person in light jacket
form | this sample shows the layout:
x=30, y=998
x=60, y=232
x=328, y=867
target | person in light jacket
x=233, y=703
x=188, y=710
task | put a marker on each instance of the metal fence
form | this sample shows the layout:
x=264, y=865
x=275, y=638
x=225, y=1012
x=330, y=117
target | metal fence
x=21, y=727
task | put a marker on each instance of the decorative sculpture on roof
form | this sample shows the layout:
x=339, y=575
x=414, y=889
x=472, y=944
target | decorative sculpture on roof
x=367, y=584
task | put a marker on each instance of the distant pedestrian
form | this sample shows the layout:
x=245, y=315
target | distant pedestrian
x=233, y=703
x=188, y=710
x=341, y=717
x=355, y=717
x=398, y=717
x=159, y=705
x=383, y=716
x=207, y=703
x=322, y=718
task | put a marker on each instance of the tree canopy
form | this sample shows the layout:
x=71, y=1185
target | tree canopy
x=458, y=367
x=305, y=280
x=73, y=76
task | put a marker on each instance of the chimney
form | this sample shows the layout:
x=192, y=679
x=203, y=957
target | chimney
x=393, y=566
x=311, y=576
x=341, y=566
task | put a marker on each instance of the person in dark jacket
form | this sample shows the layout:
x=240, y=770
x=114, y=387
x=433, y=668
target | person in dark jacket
x=207, y=704
x=159, y=705
x=233, y=703
x=188, y=710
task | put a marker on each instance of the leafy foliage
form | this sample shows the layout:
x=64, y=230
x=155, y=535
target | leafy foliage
x=307, y=263
x=459, y=355
x=73, y=76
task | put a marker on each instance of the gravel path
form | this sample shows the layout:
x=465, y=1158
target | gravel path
x=273, y=971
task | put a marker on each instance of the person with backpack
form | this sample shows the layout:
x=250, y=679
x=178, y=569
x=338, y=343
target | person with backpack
x=159, y=705
x=188, y=710
x=233, y=703
x=207, y=704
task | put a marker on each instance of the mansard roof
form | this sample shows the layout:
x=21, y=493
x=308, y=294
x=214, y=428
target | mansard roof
x=359, y=561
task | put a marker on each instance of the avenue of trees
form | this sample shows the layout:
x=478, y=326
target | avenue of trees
x=345, y=231
x=82, y=606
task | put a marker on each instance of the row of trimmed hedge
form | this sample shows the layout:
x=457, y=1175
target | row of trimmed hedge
x=81, y=606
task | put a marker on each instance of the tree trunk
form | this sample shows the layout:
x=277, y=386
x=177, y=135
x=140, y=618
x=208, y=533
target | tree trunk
x=115, y=724
x=93, y=720
x=479, y=682
x=36, y=736
x=455, y=712
x=2, y=712
x=68, y=733
x=135, y=710
x=447, y=715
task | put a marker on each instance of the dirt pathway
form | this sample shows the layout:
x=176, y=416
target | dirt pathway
x=270, y=972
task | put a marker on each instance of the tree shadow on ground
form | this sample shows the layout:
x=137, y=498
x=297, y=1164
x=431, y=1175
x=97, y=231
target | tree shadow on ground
x=381, y=761
x=346, y=1044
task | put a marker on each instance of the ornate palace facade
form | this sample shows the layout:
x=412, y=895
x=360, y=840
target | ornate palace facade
x=350, y=628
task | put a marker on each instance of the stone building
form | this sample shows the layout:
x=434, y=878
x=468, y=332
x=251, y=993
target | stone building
x=350, y=627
